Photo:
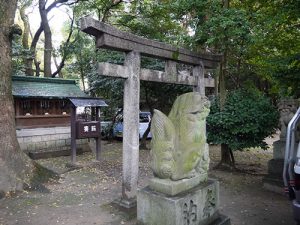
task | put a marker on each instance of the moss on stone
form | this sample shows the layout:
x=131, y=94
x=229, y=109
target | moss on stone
x=178, y=141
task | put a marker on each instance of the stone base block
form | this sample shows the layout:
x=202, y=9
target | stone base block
x=275, y=167
x=274, y=181
x=279, y=149
x=198, y=206
x=172, y=188
x=125, y=203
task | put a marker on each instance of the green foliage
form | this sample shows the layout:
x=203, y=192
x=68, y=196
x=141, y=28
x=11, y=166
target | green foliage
x=246, y=120
x=82, y=63
x=275, y=28
x=103, y=10
x=18, y=54
x=253, y=33
x=286, y=71
x=153, y=19
x=111, y=89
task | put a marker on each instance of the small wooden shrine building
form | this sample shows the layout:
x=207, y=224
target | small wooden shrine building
x=43, y=102
x=43, y=115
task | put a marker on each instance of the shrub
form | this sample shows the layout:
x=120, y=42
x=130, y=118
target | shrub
x=247, y=118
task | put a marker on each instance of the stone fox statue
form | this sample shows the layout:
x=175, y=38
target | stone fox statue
x=178, y=146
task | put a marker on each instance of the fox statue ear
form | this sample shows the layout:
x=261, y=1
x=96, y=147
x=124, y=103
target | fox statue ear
x=162, y=145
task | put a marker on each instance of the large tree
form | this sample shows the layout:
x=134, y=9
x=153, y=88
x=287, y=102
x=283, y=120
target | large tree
x=48, y=38
x=15, y=167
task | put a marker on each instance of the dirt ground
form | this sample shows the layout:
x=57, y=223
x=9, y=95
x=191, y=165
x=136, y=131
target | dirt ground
x=84, y=196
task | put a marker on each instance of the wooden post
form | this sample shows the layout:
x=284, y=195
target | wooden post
x=73, y=134
x=131, y=129
x=98, y=139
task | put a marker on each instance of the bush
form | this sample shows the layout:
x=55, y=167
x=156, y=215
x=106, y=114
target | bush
x=246, y=120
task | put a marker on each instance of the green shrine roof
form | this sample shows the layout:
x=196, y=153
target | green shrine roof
x=40, y=87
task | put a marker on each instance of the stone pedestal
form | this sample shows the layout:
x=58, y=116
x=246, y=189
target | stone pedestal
x=197, y=206
x=279, y=149
x=172, y=188
x=273, y=181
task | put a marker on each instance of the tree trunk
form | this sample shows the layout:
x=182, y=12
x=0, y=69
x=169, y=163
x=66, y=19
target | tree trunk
x=227, y=158
x=15, y=166
x=58, y=70
x=37, y=68
x=48, y=39
x=33, y=49
x=222, y=84
x=27, y=58
x=82, y=78
x=223, y=69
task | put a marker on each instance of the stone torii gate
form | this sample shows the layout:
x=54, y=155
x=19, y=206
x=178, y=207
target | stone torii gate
x=134, y=46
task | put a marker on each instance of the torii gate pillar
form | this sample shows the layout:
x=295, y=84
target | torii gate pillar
x=131, y=109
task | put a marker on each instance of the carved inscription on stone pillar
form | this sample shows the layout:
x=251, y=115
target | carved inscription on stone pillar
x=190, y=213
x=210, y=203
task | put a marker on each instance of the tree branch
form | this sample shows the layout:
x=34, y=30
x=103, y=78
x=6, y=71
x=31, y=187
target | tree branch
x=62, y=63
x=41, y=29
x=115, y=3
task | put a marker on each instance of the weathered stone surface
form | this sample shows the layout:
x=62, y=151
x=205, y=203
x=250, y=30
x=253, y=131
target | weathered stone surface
x=273, y=181
x=201, y=82
x=112, y=38
x=279, y=149
x=172, y=188
x=42, y=131
x=178, y=145
x=127, y=203
x=287, y=109
x=48, y=142
x=131, y=126
x=199, y=206
x=113, y=70
x=275, y=167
